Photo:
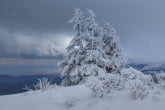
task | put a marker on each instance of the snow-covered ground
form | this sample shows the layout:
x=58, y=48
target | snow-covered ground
x=79, y=98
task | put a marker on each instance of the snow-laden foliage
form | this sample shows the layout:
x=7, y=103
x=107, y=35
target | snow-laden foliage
x=139, y=91
x=43, y=84
x=105, y=84
x=112, y=49
x=161, y=80
x=27, y=88
x=136, y=82
x=94, y=57
x=94, y=50
x=133, y=76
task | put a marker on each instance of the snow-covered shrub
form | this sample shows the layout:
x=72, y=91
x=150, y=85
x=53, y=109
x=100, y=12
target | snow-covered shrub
x=161, y=80
x=139, y=91
x=132, y=76
x=138, y=83
x=27, y=88
x=42, y=84
x=105, y=84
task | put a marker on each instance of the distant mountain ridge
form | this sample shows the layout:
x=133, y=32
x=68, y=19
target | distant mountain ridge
x=148, y=68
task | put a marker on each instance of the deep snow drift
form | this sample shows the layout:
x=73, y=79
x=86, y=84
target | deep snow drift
x=79, y=97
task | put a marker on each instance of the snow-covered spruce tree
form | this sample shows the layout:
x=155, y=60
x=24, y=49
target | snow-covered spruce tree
x=112, y=50
x=77, y=21
x=84, y=53
x=71, y=61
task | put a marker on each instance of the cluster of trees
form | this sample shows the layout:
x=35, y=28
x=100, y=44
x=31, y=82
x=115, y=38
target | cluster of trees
x=94, y=50
x=94, y=58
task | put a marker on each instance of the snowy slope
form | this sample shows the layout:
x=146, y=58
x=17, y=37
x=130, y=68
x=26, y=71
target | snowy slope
x=79, y=98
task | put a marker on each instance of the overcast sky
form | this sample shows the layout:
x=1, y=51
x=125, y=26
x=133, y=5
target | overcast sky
x=35, y=28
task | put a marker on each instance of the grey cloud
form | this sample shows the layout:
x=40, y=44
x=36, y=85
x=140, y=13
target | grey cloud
x=31, y=45
x=140, y=25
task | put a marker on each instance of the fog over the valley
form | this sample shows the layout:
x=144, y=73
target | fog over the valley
x=39, y=28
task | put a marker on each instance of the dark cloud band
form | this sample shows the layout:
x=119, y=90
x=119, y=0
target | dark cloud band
x=26, y=24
